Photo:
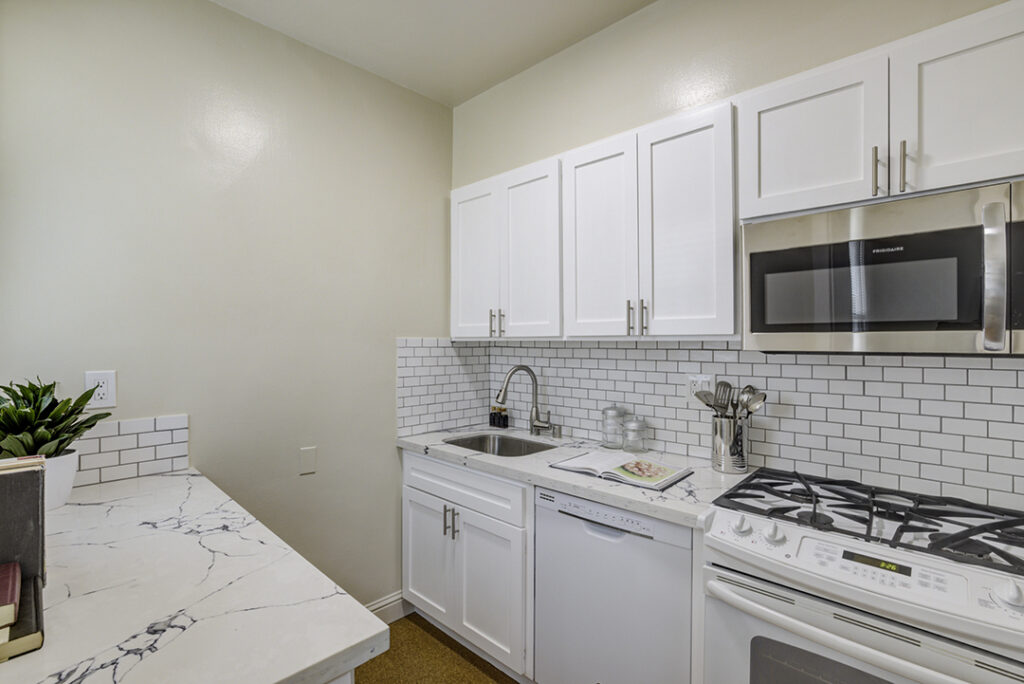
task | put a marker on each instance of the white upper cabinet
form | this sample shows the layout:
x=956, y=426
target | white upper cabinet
x=815, y=140
x=476, y=259
x=686, y=225
x=600, y=237
x=505, y=243
x=957, y=104
x=531, y=296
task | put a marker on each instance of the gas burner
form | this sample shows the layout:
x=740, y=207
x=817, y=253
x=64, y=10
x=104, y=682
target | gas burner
x=954, y=529
x=968, y=547
x=815, y=518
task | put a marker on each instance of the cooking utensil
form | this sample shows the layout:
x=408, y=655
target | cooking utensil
x=706, y=398
x=723, y=392
x=756, y=402
x=745, y=395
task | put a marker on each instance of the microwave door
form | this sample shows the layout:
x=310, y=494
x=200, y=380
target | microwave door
x=925, y=275
x=1016, y=266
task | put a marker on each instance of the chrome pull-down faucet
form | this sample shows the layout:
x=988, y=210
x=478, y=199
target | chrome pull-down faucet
x=537, y=424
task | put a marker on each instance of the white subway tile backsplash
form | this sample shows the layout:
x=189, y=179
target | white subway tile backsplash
x=933, y=424
x=118, y=443
x=174, y=422
x=117, y=450
x=134, y=426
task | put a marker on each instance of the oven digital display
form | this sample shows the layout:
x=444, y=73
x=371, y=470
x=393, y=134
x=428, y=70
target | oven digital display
x=876, y=563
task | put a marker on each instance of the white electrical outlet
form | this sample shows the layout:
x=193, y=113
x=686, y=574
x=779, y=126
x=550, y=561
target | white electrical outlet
x=699, y=383
x=307, y=460
x=105, y=383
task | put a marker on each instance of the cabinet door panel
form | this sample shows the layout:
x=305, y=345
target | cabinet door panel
x=531, y=293
x=491, y=556
x=807, y=142
x=427, y=555
x=956, y=104
x=599, y=236
x=475, y=259
x=687, y=225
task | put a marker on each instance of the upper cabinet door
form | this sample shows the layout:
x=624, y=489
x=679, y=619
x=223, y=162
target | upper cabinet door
x=599, y=237
x=531, y=293
x=687, y=224
x=957, y=104
x=813, y=141
x=476, y=260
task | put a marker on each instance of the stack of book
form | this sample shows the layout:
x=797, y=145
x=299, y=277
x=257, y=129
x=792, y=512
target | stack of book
x=22, y=547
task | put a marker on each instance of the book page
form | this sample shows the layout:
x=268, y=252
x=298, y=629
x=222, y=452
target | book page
x=643, y=471
x=594, y=461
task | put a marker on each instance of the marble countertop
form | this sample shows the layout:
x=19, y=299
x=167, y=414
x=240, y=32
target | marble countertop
x=166, y=579
x=681, y=503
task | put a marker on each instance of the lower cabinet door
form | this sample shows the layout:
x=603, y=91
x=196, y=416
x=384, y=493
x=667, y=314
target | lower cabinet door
x=490, y=557
x=428, y=554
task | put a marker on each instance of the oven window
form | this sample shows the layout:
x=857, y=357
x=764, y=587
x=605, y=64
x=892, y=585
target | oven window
x=774, y=662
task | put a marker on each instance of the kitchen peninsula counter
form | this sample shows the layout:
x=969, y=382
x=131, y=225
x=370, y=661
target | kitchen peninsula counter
x=166, y=579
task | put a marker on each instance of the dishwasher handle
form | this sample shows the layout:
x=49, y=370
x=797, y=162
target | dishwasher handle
x=604, y=529
x=852, y=649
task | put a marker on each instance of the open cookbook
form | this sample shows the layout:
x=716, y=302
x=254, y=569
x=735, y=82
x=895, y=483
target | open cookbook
x=623, y=467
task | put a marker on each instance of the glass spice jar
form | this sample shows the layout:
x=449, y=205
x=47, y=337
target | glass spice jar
x=633, y=431
x=611, y=427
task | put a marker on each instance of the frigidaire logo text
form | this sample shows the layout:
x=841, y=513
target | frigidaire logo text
x=886, y=250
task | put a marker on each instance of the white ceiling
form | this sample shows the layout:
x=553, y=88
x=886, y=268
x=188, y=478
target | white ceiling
x=447, y=50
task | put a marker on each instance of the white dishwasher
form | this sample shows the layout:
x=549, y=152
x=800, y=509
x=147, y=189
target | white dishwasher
x=612, y=595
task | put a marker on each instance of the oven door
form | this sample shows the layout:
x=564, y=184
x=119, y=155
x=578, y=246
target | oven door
x=758, y=632
x=926, y=275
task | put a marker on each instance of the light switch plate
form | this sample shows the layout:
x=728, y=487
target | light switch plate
x=307, y=460
x=105, y=383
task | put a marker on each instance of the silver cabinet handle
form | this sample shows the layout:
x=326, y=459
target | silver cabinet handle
x=903, y=165
x=874, y=171
x=501, y=324
x=444, y=533
x=490, y=322
x=642, y=310
x=993, y=221
x=629, y=317
x=455, y=514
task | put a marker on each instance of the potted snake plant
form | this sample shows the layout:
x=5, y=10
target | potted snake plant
x=33, y=421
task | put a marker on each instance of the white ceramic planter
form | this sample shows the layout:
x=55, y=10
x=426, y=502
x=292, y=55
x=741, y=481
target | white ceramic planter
x=59, y=477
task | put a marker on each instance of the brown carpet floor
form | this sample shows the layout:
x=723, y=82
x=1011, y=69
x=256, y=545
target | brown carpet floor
x=422, y=654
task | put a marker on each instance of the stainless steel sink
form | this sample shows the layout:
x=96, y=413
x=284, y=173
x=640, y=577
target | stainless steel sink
x=499, y=445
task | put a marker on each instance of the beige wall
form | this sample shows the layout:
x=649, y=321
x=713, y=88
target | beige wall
x=240, y=226
x=670, y=56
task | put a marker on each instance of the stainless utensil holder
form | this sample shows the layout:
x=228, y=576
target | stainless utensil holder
x=729, y=444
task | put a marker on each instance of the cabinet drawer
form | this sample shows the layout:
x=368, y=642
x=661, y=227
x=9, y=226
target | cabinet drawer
x=493, y=496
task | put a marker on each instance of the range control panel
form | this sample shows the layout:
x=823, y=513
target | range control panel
x=993, y=597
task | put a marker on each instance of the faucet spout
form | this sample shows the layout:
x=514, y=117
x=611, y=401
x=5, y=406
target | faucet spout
x=536, y=424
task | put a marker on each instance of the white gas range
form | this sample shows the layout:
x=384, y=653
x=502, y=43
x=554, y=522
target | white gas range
x=816, y=580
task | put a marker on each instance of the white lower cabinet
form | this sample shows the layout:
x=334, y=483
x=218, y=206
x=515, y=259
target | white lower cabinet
x=465, y=569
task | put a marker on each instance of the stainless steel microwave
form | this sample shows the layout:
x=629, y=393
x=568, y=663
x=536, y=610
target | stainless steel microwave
x=939, y=274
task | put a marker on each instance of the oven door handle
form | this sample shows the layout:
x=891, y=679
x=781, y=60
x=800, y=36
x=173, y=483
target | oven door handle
x=852, y=649
x=993, y=332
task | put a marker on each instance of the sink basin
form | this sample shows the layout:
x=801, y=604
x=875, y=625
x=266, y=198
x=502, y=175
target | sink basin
x=499, y=445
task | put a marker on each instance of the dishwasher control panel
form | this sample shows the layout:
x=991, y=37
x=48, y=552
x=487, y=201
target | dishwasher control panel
x=610, y=516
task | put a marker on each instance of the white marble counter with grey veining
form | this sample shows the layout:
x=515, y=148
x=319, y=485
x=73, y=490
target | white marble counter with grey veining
x=166, y=579
x=681, y=503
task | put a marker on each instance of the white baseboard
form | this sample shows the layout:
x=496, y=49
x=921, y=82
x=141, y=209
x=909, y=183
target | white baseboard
x=390, y=608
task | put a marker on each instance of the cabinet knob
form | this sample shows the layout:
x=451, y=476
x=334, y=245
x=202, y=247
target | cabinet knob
x=629, y=317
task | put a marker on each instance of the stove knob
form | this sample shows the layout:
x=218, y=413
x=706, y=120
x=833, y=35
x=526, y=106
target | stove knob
x=1010, y=593
x=773, y=535
x=741, y=526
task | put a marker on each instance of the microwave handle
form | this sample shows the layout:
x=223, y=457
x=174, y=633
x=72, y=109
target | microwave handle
x=861, y=652
x=993, y=220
